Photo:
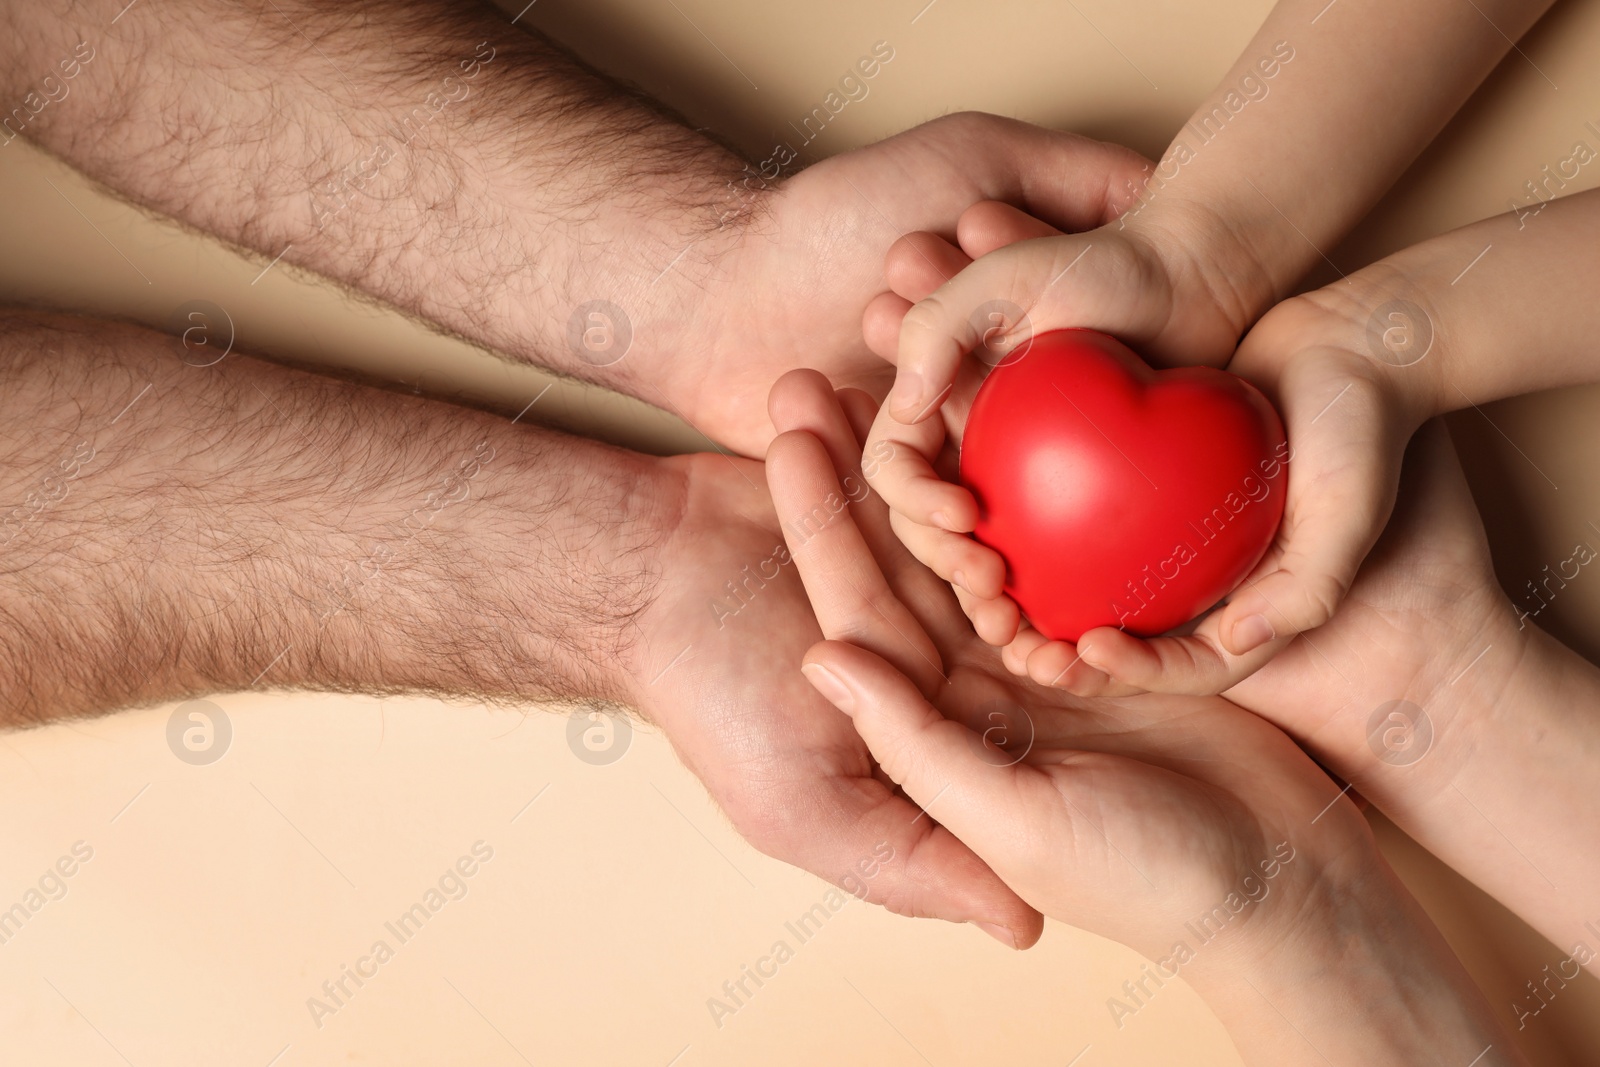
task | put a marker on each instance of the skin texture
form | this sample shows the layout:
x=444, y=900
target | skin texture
x=488, y=181
x=180, y=529
x=1503, y=704
x=485, y=179
x=1125, y=817
x=1354, y=394
x=1289, y=151
x=1425, y=607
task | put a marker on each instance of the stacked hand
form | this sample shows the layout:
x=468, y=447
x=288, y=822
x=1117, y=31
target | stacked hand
x=1347, y=418
x=1126, y=816
x=1155, y=289
x=1186, y=827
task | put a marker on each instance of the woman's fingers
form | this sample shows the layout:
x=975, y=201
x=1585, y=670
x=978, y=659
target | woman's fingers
x=936, y=761
x=849, y=594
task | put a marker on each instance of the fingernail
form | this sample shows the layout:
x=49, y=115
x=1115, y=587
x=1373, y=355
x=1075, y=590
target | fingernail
x=828, y=684
x=1250, y=633
x=961, y=579
x=905, y=399
x=1002, y=934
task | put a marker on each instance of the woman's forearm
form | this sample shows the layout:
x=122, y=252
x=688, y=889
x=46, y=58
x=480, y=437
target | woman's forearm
x=1360, y=976
x=1510, y=799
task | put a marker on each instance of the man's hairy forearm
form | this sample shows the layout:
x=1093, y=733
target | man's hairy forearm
x=425, y=152
x=169, y=529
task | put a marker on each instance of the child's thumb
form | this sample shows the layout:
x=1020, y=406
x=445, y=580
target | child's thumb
x=1335, y=516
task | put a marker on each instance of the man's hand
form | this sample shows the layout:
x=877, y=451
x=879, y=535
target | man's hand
x=172, y=529
x=809, y=263
x=716, y=663
x=485, y=179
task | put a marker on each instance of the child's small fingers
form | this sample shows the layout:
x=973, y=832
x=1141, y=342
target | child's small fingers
x=898, y=464
x=1323, y=545
x=1195, y=665
x=959, y=560
x=1057, y=664
x=921, y=262
x=1015, y=654
x=1284, y=603
x=993, y=224
x=996, y=302
x=934, y=336
x=994, y=620
x=1343, y=475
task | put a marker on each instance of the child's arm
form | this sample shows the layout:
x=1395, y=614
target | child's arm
x=1286, y=154
x=1327, y=104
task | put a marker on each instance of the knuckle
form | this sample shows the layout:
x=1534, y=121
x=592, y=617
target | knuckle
x=925, y=320
x=1320, y=597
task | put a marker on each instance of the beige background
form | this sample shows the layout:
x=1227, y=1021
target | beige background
x=220, y=897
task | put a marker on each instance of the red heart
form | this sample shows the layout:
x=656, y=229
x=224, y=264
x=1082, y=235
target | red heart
x=1119, y=495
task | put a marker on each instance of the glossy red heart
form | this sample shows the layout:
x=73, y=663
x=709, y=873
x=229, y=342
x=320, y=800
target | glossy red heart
x=1119, y=495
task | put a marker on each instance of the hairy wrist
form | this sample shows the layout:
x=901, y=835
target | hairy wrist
x=243, y=525
x=481, y=176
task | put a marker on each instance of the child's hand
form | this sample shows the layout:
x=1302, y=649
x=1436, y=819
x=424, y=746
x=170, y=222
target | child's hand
x=1126, y=818
x=1352, y=395
x=1152, y=288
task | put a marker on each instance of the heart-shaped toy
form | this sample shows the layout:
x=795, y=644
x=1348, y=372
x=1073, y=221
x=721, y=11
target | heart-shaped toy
x=1119, y=495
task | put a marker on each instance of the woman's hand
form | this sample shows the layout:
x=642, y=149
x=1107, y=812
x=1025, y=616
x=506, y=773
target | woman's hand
x=1187, y=828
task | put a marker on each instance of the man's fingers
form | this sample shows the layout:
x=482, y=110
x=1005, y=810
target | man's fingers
x=989, y=225
x=921, y=262
x=875, y=844
x=936, y=761
x=848, y=592
x=1071, y=181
